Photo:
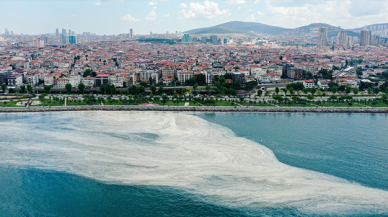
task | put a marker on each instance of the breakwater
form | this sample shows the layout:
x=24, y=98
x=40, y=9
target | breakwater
x=195, y=109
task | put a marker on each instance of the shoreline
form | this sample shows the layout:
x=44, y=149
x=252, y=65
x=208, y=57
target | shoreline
x=196, y=109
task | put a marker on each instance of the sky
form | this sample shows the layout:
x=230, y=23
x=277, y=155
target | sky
x=159, y=16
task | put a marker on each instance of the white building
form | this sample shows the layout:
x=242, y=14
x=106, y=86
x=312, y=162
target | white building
x=88, y=81
x=308, y=83
x=61, y=83
x=275, y=78
x=15, y=80
x=49, y=80
x=184, y=75
x=74, y=80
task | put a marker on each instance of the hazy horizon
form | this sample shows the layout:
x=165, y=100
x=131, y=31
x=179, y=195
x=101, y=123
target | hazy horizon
x=159, y=16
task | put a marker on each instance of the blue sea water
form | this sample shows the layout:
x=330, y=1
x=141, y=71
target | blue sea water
x=44, y=172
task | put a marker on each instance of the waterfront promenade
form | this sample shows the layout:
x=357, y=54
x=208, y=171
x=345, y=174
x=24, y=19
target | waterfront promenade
x=195, y=109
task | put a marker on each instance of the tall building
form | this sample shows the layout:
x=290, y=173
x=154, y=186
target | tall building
x=57, y=32
x=6, y=33
x=365, y=37
x=214, y=39
x=186, y=38
x=375, y=40
x=322, y=36
x=343, y=38
x=131, y=33
x=63, y=31
x=72, y=39
x=69, y=31
x=64, y=39
x=350, y=41
x=203, y=39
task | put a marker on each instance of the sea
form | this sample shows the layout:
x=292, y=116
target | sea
x=131, y=163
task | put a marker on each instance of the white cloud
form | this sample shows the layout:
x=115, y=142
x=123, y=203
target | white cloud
x=259, y=13
x=167, y=15
x=347, y=14
x=153, y=3
x=183, y=5
x=129, y=18
x=251, y=18
x=98, y=3
x=257, y=1
x=152, y=15
x=208, y=10
x=235, y=2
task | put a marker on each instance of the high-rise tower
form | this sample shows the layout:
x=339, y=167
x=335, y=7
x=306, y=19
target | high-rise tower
x=322, y=36
x=365, y=37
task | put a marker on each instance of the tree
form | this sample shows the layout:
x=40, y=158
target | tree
x=310, y=97
x=164, y=99
x=348, y=90
x=217, y=84
x=377, y=90
x=68, y=88
x=313, y=91
x=42, y=97
x=305, y=90
x=359, y=71
x=334, y=89
x=277, y=91
x=153, y=89
x=333, y=97
x=102, y=88
x=160, y=91
x=355, y=90
x=87, y=73
x=208, y=89
x=277, y=97
x=23, y=89
x=291, y=91
x=141, y=89
x=107, y=88
x=112, y=89
x=47, y=89
x=195, y=86
x=3, y=86
x=81, y=87
x=29, y=88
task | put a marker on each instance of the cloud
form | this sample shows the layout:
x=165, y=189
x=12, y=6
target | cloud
x=129, y=18
x=167, y=15
x=207, y=11
x=152, y=15
x=251, y=18
x=98, y=3
x=153, y=3
x=259, y=13
x=183, y=5
x=235, y=2
x=257, y=1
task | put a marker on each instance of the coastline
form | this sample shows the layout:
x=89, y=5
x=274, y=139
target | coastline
x=196, y=109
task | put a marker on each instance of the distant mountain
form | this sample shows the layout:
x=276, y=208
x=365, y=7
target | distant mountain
x=239, y=27
x=372, y=27
x=311, y=30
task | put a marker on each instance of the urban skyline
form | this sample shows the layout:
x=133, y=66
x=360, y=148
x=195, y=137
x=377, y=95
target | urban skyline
x=112, y=17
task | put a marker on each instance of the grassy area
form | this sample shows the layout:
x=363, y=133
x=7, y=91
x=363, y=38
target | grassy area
x=12, y=104
x=381, y=104
x=296, y=105
x=194, y=104
x=340, y=104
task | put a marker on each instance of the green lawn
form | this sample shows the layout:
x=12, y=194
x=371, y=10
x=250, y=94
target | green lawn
x=340, y=104
x=11, y=104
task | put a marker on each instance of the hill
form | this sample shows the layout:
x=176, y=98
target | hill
x=239, y=27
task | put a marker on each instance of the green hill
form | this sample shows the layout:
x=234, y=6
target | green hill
x=239, y=27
